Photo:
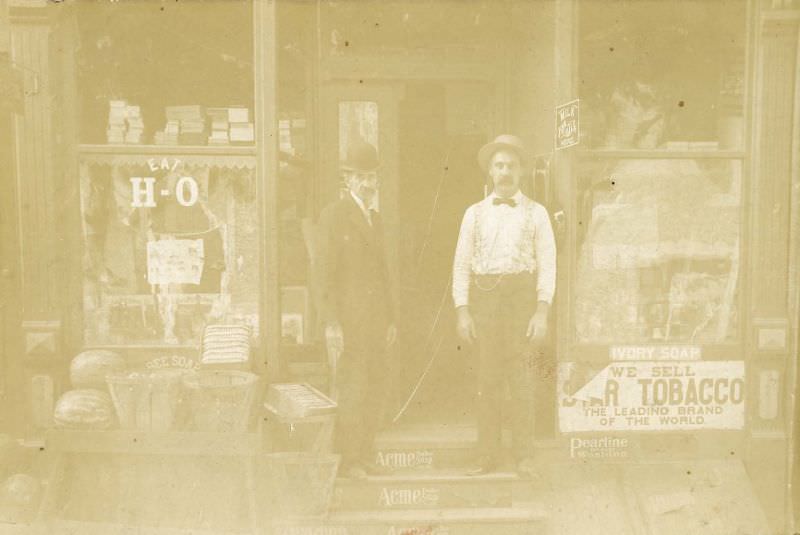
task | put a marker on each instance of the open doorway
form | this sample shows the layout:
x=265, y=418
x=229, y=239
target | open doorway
x=441, y=126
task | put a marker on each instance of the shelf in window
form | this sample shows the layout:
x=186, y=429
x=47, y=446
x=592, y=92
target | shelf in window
x=661, y=154
x=232, y=156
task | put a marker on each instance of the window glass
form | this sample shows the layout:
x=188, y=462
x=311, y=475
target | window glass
x=656, y=75
x=167, y=250
x=155, y=55
x=358, y=121
x=658, y=256
x=299, y=226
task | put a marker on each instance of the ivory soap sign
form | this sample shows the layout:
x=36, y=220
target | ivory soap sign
x=651, y=395
x=174, y=261
x=568, y=124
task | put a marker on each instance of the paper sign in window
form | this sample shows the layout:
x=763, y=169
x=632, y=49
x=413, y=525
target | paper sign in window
x=175, y=261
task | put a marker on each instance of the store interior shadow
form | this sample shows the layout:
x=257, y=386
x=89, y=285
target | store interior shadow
x=433, y=379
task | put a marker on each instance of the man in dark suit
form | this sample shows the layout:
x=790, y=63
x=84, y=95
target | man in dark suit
x=356, y=307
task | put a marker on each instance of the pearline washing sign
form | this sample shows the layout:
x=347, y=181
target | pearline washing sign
x=651, y=395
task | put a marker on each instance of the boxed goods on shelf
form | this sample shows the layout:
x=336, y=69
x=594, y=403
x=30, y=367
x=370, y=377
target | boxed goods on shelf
x=298, y=400
x=226, y=346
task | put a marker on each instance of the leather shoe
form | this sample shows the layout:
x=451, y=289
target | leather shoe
x=354, y=471
x=482, y=465
x=374, y=469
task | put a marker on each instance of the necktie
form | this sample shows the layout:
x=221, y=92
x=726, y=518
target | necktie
x=500, y=200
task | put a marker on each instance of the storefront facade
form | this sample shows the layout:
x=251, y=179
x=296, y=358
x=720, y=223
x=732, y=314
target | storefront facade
x=676, y=212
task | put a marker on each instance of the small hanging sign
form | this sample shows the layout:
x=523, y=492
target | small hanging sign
x=568, y=132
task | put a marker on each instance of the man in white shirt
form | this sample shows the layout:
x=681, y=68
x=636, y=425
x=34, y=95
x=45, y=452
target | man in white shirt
x=504, y=275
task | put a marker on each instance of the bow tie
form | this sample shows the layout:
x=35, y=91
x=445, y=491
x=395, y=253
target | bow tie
x=500, y=200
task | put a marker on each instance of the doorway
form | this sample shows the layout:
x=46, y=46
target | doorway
x=441, y=126
x=428, y=133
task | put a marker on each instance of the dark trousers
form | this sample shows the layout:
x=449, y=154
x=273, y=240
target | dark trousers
x=501, y=308
x=360, y=380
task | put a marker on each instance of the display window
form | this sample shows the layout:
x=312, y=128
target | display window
x=167, y=171
x=659, y=259
x=661, y=177
x=652, y=77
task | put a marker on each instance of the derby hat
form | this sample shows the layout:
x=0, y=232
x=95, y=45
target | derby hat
x=361, y=156
x=502, y=142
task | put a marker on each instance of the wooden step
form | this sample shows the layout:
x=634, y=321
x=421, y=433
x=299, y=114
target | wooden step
x=420, y=448
x=400, y=460
x=424, y=491
x=431, y=436
x=530, y=520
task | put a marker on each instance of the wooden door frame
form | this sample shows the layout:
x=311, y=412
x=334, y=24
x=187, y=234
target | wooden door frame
x=387, y=95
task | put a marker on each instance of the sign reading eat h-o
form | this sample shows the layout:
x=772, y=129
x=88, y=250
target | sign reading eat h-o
x=143, y=190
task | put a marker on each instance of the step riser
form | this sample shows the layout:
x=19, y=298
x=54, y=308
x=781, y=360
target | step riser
x=420, y=495
x=473, y=528
x=404, y=461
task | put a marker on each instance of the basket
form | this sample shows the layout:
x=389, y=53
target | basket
x=220, y=400
x=302, y=483
x=146, y=401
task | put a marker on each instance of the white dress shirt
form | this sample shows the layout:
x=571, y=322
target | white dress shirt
x=366, y=210
x=501, y=239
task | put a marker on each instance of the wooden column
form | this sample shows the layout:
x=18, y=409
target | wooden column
x=266, y=123
x=565, y=68
x=772, y=165
x=770, y=252
x=792, y=405
x=38, y=189
x=37, y=203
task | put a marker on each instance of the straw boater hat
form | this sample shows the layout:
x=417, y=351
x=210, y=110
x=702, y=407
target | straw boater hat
x=361, y=156
x=502, y=142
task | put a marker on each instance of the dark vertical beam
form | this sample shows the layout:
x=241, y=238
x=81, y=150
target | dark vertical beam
x=266, y=119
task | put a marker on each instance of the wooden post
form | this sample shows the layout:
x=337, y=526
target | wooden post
x=266, y=123
x=565, y=69
x=39, y=185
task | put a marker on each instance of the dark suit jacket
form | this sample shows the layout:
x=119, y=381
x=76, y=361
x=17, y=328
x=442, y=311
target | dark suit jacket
x=352, y=276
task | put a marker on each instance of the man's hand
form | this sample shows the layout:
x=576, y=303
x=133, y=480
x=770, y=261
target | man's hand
x=465, y=326
x=391, y=335
x=334, y=337
x=537, y=326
